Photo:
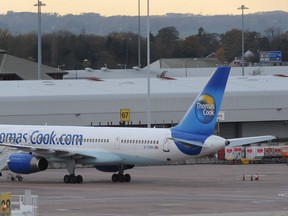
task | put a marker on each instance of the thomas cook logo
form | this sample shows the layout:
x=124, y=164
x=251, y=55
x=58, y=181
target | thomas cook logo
x=205, y=108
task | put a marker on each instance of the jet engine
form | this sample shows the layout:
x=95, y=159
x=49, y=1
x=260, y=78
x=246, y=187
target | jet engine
x=23, y=163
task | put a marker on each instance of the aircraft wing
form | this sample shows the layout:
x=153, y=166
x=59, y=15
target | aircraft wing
x=46, y=152
x=248, y=140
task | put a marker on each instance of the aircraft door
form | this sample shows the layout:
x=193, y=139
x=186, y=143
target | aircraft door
x=166, y=147
x=117, y=143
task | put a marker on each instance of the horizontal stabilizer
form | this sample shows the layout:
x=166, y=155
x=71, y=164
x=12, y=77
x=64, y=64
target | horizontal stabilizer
x=248, y=140
x=188, y=143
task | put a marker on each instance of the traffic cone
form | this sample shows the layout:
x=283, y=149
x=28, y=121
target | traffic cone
x=4, y=208
x=257, y=177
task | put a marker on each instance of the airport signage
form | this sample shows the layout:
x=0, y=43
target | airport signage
x=221, y=116
x=5, y=204
x=125, y=115
x=271, y=56
x=275, y=56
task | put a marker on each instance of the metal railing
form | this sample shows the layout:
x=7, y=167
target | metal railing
x=25, y=205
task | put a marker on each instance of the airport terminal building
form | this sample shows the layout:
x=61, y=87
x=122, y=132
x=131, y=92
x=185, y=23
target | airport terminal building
x=252, y=105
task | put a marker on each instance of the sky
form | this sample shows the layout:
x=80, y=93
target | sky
x=157, y=7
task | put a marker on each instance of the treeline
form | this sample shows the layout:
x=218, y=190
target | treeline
x=69, y=51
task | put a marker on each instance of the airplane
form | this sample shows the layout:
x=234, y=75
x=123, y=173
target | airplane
x=116, y=149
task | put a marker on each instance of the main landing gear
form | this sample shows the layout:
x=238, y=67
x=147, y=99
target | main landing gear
x=72, y=178
x=120, y=177
x=12, y=176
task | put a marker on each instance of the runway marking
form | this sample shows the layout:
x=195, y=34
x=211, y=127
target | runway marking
x=66, y=197
x=283, y=194
x=173, y=204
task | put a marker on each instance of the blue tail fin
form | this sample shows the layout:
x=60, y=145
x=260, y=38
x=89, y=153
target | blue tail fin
x=201, y=117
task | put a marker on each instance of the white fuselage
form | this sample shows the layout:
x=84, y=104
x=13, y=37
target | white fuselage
x=105, y=146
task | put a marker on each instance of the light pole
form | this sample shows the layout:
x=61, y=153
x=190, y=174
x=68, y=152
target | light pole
x=148, y=69
x=139, y=39
x=126, y=40
x=39, y=5
x=242, y=8
x=126, y=52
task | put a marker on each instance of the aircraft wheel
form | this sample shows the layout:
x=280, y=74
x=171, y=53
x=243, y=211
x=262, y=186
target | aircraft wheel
x=79, y=179
x=12, y=178
x=66, y=179
x=115, y=178
x=20, y=178
x=127, y=178
x=121, y=177
x=73, y=179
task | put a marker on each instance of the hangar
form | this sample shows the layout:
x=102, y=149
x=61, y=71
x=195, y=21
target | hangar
x=252, y=105
x=14, y=68
x=183, y=67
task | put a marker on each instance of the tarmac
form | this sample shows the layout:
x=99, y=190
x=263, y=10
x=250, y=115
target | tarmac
x=178, y=190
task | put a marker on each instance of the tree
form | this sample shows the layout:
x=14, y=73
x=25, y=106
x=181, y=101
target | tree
x=66, y=48
x=192, y=47
x=273, y=34
x=284, y=45
x=231, y=43
x=252, y=44
x=167, y=36
x=209, y=42
x=164, y=43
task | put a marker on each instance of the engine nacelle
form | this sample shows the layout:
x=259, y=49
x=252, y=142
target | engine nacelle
x=23, y=163
x=113, y=168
